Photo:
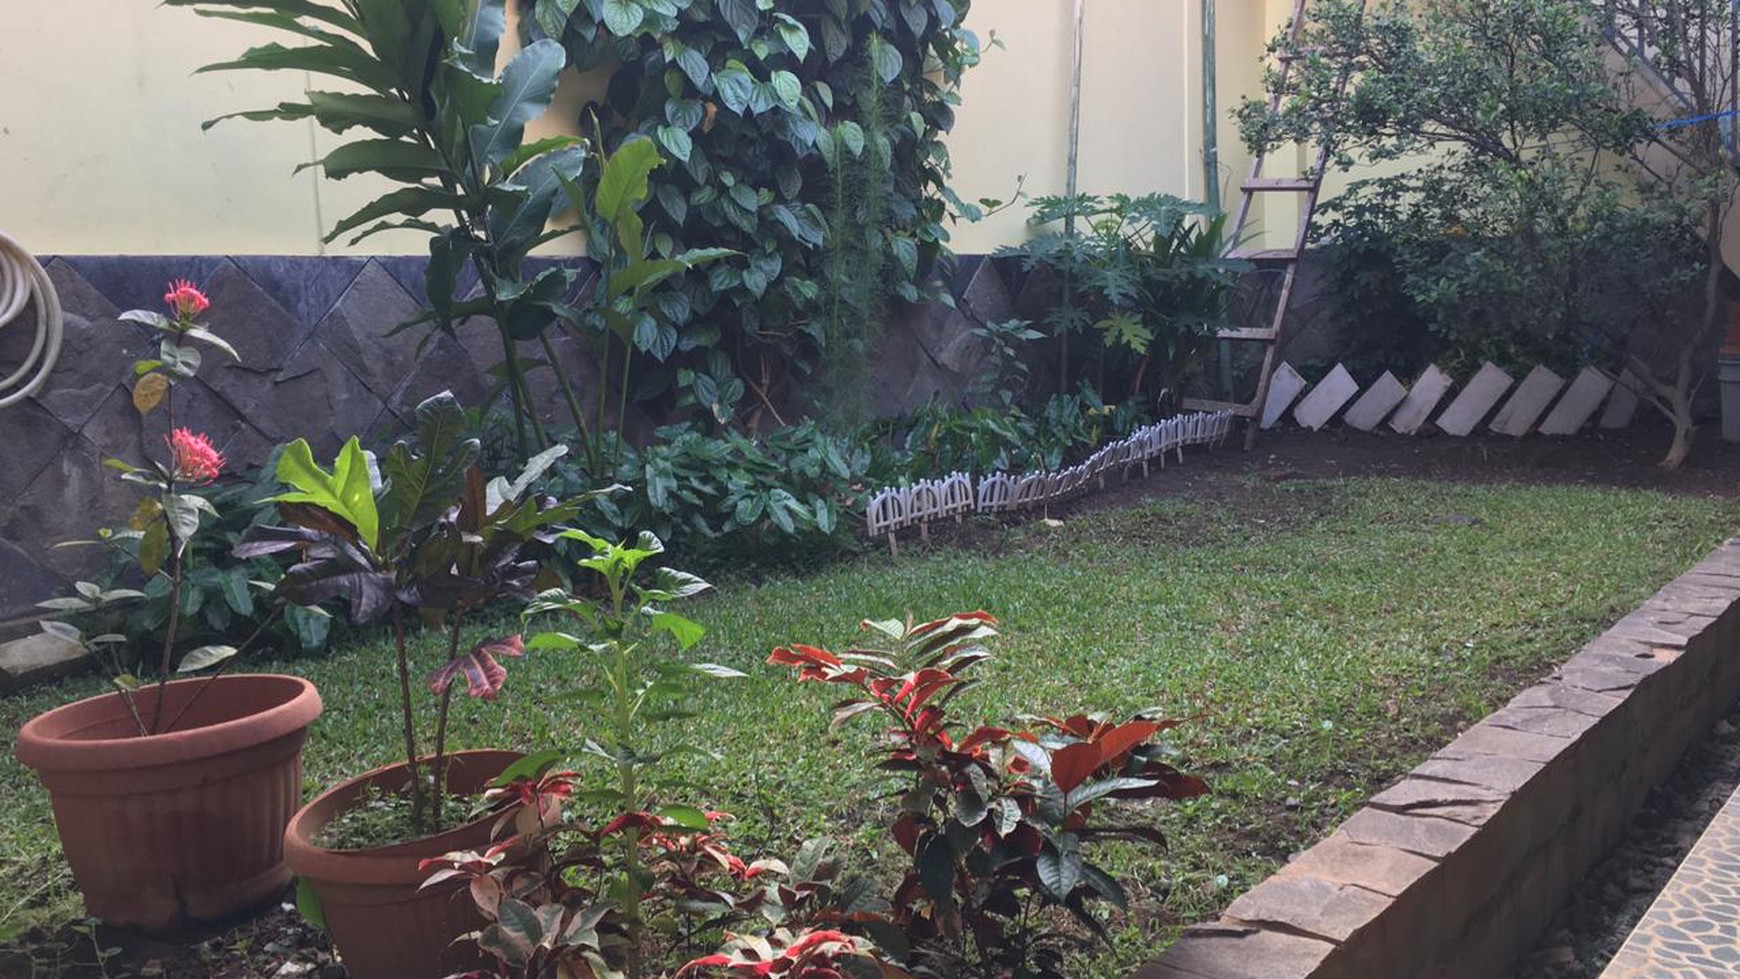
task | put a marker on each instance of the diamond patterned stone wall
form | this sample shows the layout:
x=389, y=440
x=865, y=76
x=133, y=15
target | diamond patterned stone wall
x=316, y=362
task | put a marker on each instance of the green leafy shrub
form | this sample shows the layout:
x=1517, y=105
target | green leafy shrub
x=1004, y=437
x=807, y=136
x=1148, y=275
x=419, y=78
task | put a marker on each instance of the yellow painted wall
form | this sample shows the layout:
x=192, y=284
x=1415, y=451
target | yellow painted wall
x=101, y=150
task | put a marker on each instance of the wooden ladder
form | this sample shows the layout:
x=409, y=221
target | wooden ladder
x=1286, y=259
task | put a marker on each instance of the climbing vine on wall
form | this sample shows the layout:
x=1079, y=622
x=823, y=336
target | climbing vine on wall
x=755, y=101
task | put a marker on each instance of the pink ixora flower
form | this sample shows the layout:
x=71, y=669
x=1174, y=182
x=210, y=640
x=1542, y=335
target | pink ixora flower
x=196, y=461
x=185, y=300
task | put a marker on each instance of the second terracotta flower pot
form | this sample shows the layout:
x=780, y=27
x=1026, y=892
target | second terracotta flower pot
x=381, y=921
x=170, y=829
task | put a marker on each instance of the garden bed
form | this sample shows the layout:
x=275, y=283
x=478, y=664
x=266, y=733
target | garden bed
x=1322, y=635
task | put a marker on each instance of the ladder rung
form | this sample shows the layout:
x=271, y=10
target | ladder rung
x=1280, y=183
x=1263, y=333
x=1264, y=254
x=1237, y=408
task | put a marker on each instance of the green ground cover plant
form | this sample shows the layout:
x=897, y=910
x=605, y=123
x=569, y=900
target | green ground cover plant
x=1316, y=657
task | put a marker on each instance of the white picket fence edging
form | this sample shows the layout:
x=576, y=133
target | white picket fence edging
x=958, y=494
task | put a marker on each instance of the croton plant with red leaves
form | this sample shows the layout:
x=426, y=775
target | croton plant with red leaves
x=997, y=821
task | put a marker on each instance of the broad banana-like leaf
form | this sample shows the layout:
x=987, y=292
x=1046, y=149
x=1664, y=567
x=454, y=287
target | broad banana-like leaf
x=527, y=85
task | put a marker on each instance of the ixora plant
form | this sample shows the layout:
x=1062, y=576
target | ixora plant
x=109, y=759
x=998, y=824
x=159, y=535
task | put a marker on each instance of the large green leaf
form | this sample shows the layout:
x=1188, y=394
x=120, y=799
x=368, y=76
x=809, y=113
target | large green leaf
x=1059, y=866
x=793, y=33
x=514, y=227
x=622, y=17
x=340, y=111
x=409, y=201
x=736, y=86
x=284, y=111
x=319, y=59
x=282, y=21
x=424, y=482
x=552, y=15
x=204, y=656
x=395, y=159
x=741, y=16
x=346, y=492
x=623, y=186
x=335, y=16
x=527, y=85
x=482, y=35
x=531, y=151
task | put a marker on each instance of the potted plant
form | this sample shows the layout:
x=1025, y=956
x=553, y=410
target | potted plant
x=170, y=798
x=430, y=541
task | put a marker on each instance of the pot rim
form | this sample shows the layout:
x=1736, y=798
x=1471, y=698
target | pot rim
x=44, y=744
x=392, y=863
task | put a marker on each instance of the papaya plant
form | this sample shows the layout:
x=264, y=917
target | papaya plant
x=431, y=539
x=637, y=689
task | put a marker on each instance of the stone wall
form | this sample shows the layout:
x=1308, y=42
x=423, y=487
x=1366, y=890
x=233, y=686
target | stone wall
x=1454, y=871
x=316, y=362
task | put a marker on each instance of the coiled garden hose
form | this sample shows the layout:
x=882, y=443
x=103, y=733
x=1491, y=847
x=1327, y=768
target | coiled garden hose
x=22, y=281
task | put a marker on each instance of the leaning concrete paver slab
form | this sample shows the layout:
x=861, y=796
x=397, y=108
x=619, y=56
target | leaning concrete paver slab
x=1317, y=408
x=34, y=659
x=1475, y=401
x=1538, y=389
x=1579, y=403
x=1421, y=401
x=1284, y=387
x=1622, y=403
x=1376, y=403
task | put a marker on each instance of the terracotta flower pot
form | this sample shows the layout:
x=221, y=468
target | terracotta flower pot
x=169, y=829
x=383, y=925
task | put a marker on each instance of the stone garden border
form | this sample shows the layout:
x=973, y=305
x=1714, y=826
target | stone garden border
x=1454, y=871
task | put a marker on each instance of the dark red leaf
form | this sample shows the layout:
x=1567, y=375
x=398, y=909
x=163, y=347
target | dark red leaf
x=483, y=674
x=1072, y=764
x=1118, y=740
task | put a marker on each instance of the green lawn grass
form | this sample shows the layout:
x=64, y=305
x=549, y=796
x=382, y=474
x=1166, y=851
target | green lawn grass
x=1321, y=637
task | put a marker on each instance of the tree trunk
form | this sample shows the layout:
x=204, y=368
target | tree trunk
x=1683, y=431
